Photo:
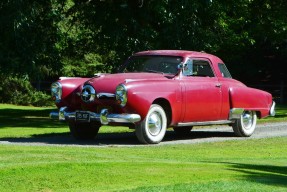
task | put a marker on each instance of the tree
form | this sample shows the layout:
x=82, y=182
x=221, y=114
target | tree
x=28, y=38
x=56, y=37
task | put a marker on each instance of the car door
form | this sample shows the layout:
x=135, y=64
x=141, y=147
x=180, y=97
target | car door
x=202, y=96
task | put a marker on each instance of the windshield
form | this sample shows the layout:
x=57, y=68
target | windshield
x=153, y=64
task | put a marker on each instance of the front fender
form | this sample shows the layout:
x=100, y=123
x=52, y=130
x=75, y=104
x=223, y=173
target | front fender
x=69, y=87
x=141, y=97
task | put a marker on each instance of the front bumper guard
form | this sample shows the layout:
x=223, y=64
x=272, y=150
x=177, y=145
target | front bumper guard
x=104, y=116
x=272, y=109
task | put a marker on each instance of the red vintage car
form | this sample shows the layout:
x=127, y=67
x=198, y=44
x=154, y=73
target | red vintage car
x=154, y=90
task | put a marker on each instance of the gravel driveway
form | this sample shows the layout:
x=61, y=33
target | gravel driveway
x=202, y=135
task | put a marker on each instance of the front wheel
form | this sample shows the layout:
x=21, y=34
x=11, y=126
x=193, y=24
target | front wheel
x=245, y=126
x=152, y=129
x=84, y=131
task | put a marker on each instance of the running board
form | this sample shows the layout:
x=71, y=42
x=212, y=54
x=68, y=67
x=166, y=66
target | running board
x=205, y=123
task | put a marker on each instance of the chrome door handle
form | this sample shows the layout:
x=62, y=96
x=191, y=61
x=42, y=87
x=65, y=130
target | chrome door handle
x=218, y=85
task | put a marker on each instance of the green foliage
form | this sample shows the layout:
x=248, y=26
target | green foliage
x=63, y=37
x=245, y=33
x=19, y=91
x=90, y=64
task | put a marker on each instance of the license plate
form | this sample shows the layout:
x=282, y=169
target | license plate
x=83, y=116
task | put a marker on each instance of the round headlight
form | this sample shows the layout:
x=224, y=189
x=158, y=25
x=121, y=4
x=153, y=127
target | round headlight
x=121, y=95
x=56, y=91
x=88, y=94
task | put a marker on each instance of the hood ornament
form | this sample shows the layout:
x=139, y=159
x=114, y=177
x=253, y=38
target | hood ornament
x=88, y=94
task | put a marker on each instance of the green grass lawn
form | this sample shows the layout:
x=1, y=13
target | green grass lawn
x=253, y=165
x=245, y=165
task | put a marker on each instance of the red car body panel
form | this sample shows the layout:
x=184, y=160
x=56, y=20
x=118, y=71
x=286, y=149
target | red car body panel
x=190, y=99
x=143, y=96
x=251, y=99
x=70, y=87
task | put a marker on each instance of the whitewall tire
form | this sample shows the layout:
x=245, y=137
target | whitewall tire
x=153, y=128
x=245, y=126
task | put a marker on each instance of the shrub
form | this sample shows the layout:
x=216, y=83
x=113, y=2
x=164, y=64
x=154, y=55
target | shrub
x=19, y=91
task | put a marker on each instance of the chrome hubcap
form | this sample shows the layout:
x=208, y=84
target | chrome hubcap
x=247, y=118
x=154, y=123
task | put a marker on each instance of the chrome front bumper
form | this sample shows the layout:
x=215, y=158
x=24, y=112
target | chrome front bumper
x=104, y=117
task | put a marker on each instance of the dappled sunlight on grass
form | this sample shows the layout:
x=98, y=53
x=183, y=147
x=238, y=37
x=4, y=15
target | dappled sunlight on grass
x=22, y=117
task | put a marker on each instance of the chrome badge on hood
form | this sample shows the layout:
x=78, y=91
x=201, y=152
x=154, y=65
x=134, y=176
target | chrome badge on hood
x=88, y=94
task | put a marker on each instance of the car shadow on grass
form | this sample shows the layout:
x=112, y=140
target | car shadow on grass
x=120, y=139
x=265, y=174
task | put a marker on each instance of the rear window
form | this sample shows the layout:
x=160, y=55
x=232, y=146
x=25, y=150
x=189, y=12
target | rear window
x=223, y=70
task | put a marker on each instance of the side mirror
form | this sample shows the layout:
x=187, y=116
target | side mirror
x=188, y=68
x=180, y=66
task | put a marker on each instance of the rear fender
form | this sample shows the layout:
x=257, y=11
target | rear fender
x=251, y=99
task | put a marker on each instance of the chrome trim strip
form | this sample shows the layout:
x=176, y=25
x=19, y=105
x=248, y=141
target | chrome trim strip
x=235, y=113
x=204, y=123
x=105, y=95
x=104, y=117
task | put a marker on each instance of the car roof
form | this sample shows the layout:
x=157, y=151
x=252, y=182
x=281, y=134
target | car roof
x=182, y=53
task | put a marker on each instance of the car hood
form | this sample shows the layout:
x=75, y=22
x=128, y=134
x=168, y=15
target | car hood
x=109, y=82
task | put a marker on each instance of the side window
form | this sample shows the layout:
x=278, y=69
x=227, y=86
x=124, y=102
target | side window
x=223, y=70
x=202, y=68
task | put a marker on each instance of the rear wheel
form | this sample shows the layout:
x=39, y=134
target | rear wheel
x=152, y=129
x=245, y=126
x=83, y=131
